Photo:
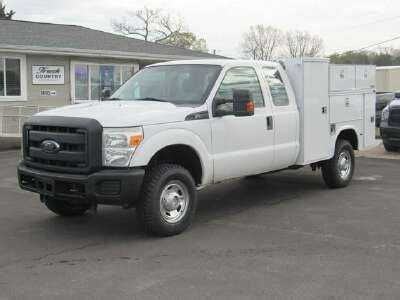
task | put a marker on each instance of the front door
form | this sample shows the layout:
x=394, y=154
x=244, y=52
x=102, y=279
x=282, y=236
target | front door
x=242, y=145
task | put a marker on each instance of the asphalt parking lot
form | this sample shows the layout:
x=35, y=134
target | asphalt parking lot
x=284, y=236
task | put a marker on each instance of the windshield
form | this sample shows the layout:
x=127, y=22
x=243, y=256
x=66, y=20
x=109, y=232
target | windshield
x=178, y=84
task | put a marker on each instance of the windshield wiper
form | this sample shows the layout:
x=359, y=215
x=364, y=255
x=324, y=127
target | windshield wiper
x=151, y=99
x=110, y=99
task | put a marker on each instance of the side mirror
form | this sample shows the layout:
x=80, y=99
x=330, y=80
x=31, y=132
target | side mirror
x=243, y=104
x=222, y=107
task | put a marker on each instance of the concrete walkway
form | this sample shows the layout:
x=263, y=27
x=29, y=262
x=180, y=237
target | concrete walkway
x=378, y=152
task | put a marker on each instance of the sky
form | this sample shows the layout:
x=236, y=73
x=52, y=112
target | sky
x=343, y=24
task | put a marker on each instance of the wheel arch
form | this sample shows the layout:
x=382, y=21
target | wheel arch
x=177, y=146
x=349, y=134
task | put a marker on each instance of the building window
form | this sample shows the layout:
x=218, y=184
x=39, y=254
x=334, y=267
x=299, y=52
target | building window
x=12, y=75
x=97, y=81
x=81, y=82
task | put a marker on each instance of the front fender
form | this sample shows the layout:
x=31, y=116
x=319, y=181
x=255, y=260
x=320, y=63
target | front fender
x=150, y=146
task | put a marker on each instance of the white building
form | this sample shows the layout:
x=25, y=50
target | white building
x=388, y=79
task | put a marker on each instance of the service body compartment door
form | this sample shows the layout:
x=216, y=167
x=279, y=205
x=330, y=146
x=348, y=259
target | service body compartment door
x=369, y=119
x=315, y=112
x=346, y=107
x=365, y=77
x=309, y=78
x=342, y=77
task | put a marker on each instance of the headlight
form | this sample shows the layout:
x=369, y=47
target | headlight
x=385, y=114
x=119, y=144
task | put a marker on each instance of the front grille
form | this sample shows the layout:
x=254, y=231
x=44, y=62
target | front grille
x=79, y=142
x=394, y=118
x=72, y=141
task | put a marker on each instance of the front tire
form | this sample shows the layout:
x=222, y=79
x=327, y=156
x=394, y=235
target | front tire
x=168, y=200
x=65, y=209
x=338, y=171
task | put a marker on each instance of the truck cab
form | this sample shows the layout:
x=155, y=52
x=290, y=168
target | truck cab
x=177, y=127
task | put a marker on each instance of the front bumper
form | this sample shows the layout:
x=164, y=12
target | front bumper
x=111, y=187
x=391, y=135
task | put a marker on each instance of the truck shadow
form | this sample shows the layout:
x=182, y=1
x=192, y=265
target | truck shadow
x=218, y=201
x=237, y=196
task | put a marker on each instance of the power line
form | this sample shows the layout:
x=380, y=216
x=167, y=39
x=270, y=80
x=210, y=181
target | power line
x=369, y=46
x=380, y=43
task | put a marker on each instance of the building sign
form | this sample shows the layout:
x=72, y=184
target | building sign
x=48, y=93
x=48, y=74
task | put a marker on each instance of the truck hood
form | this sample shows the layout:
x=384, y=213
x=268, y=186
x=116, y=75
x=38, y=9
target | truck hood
x=124, y=113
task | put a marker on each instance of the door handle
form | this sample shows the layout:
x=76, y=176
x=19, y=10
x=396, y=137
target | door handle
x=270, y=123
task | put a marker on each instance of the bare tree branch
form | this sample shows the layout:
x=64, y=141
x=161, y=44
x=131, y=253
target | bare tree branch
x=158, y=26
x=149, y=24
x=261, y=42
x=143, y=23
x=302, y=43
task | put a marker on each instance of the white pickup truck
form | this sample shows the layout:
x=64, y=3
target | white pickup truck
x=177, y=127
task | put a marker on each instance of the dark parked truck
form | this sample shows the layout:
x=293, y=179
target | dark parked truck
x=177, y=127
x=390, y=126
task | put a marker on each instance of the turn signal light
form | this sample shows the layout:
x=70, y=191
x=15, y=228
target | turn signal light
x=250, y=106
x=135, y=140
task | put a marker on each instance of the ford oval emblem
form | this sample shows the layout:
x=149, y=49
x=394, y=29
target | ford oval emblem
x=50, y=147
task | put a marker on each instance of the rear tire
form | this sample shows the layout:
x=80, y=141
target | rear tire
x=338, y=171
x=168, y=200
x=65, y=209
x=389, y=148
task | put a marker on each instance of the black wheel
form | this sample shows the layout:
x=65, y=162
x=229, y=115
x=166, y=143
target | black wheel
x=338, y=171
x=65, y=209
x=168, y=200
x=389, y=148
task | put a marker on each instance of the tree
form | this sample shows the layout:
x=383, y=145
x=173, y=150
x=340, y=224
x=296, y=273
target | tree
x=186, y=40
x=261, y=42
x=302, y=43
x=352, y=57
x=158, y=26
x=5, y=15
x=382, y=57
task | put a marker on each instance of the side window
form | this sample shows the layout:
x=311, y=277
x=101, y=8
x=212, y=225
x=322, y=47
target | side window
x=241, y=78
x=276, y=86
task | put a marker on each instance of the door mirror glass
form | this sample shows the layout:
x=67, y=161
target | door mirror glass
x=223, y=107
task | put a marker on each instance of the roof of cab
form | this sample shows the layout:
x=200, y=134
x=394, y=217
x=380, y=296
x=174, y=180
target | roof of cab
x=218, y=62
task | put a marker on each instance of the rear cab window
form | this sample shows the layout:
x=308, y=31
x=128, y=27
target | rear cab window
x=276, y=86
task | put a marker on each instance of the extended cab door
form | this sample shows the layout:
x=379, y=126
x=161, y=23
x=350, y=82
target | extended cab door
x=242, y=145
x=285, y=116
